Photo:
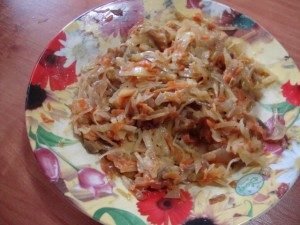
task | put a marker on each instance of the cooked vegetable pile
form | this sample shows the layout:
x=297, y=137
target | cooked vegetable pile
x=172, y=105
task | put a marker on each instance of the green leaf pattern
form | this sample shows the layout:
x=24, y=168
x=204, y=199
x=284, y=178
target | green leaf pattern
x=280, y=108
x=44, y=137
x=121, y=217
x=250, y=211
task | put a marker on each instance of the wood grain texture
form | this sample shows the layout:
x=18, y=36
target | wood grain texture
x=26, y=196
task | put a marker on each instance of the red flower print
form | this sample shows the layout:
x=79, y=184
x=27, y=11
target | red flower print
x=50, y=68
x=160, y=210
x=291, y=93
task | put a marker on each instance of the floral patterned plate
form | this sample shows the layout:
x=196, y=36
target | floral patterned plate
x=78, y=175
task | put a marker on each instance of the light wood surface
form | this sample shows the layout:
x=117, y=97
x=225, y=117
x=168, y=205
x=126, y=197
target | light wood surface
x=26, y=196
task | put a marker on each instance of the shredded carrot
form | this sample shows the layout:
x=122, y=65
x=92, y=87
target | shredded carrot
x=187, y=139
x=106, y=60
x=205, y=37
x=198, y=17
x=116, y=112
x=210, y=122
x=116, y=127
x=181, y=67
x=144, y=108
x=91, y=136
x=231, y=74
x=82, y=103
x=211, y=26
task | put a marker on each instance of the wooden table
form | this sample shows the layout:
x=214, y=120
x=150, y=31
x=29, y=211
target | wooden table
x=26, y=196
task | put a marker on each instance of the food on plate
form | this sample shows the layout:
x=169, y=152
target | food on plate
x=172, y=106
